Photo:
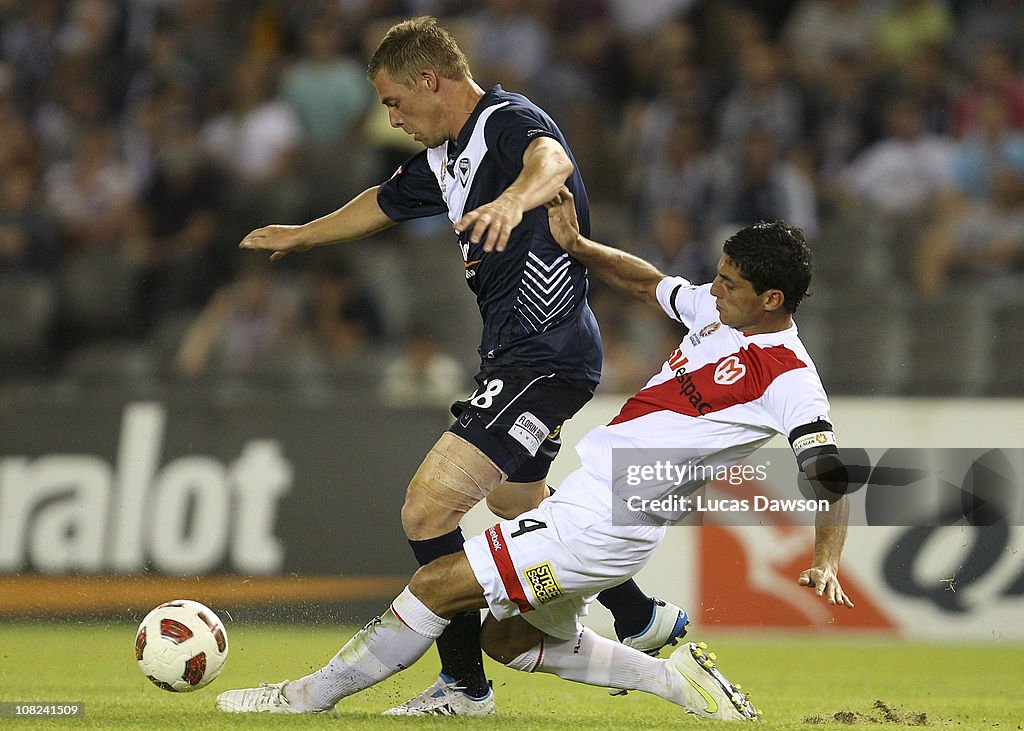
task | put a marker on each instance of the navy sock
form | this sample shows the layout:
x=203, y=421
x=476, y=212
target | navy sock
x=459, y=644
x=433, y=548
x=631, y=608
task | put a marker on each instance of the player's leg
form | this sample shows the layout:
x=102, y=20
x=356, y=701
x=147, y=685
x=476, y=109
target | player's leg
x=454, y=476
x=510, y=499
x=688, y=678
x=506, y=421
x=386, y=645
x=641, y=621
x=538, y=573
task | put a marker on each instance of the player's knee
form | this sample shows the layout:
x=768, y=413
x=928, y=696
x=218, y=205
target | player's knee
x=495, y=643
x=417, y=517
x=511, y=499
x=506, y=641
x=427, y=585
x=453, y=477
x=448, y=586
x=506, y=507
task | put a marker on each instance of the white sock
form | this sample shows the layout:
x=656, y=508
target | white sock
x=388, y=644
x=596, y=660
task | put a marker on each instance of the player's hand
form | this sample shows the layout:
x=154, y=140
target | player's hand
x=495, y=219
x=826, y=582
x=565, y=227
x=277, y=239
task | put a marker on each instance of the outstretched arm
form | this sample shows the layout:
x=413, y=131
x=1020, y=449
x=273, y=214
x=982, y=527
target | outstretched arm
x=357, y=219
x=545, y=169
x=825, y=475
x=625, y=272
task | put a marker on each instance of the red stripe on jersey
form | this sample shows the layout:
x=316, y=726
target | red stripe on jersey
x=738, y=378
x=506, y=569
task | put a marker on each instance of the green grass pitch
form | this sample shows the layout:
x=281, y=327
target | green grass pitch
x=803, y=682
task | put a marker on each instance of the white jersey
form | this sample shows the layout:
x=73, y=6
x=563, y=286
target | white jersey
x=721, y=393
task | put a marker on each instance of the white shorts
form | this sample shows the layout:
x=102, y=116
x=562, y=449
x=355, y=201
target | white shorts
x=549, y=563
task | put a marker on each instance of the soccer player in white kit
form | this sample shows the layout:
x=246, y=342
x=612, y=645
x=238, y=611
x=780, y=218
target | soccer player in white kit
x=738, y=377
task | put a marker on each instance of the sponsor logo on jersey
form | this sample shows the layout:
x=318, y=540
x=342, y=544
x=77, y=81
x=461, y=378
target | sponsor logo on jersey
x=536, y=131
x=544, y=583
x=676, y=360
x=729, y=370
x=464, y=167
x=529, y=431
x=492, y=534
x=689, y=391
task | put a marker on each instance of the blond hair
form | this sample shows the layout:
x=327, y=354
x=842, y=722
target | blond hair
x=413, y=45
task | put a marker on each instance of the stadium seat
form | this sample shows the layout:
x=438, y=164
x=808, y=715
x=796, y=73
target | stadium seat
x=864, y=348
x=950, y=344
x=28, y=305
x=113, y=362
x=1007, y=366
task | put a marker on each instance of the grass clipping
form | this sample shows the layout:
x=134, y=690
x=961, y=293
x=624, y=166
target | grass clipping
x=881, y=712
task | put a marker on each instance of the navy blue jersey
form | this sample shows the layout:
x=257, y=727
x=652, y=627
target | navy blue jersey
x=532, y=296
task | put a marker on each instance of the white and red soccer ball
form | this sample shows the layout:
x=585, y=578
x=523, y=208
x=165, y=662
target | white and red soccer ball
x=181, y=646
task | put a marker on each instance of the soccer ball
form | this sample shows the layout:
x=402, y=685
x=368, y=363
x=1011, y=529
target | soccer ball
x=181, y=646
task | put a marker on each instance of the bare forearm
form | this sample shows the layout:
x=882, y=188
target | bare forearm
x=830, y=528
x=619, y=269
x=545, y=170
x=357, y=219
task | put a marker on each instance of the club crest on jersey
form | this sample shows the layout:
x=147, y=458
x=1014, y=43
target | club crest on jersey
x=729, y=370
x=464, y=167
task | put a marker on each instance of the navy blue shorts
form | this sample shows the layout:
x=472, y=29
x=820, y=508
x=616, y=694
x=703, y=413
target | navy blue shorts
x=515, y=416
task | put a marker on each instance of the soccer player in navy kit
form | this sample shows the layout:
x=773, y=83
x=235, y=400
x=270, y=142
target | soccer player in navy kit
x=492, y=160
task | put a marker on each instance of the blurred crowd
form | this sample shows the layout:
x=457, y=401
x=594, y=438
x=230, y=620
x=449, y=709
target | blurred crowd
x=141, y=139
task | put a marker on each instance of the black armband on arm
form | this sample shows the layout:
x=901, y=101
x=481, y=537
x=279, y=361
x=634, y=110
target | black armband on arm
x=811, y=441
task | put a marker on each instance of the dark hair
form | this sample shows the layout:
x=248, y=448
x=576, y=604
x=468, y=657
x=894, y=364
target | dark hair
x=773, y=256
x=413, y=45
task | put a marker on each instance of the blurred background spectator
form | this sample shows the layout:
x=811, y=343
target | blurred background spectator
x=341, y=314
x=422, y=374
x=141, y=139
x=250, y=325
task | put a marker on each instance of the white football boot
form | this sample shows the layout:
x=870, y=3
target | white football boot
x=445, y=698
x=706, y=692
x=268, y=698
x=667, y=627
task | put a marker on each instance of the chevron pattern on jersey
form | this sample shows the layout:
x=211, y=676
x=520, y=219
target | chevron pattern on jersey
x=545, y=292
